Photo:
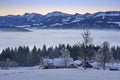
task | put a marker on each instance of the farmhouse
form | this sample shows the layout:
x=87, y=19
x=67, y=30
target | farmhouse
x=57, y=62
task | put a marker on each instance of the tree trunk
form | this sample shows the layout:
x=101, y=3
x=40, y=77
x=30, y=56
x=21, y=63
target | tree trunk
x=104, y=64
x=85, y=61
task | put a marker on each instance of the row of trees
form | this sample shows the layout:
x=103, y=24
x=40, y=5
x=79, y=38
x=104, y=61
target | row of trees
x=24, y=56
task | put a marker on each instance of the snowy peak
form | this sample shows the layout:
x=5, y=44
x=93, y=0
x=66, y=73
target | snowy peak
x=56, y=13
x=109, y=13
x=10, y=15
x=13, y=16
x=77, y=15
x=87, y=15
x=32, y=15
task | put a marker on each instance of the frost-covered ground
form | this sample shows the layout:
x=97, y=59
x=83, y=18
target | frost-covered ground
x=59, y=74
x=54, y=37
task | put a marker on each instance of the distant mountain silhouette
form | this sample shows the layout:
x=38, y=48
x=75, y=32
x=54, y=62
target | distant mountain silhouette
x=56, y=19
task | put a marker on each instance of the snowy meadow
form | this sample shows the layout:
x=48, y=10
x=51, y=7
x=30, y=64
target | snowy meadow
x=55, y=37
x=59, y=74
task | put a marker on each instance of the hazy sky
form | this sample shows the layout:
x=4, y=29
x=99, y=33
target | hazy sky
x=67, y=6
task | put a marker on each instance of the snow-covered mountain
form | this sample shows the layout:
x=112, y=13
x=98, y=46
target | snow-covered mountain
x=56, y=13
x=99, y=20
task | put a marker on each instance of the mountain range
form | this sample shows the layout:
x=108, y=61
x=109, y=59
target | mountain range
x=56, y=19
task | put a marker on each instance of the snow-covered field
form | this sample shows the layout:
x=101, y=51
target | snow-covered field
x=59, y=74
x=54, y=37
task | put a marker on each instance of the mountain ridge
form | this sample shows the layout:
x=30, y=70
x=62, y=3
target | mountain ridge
x=56, y=19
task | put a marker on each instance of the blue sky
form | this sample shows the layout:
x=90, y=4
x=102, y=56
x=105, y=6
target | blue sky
x=67, y=6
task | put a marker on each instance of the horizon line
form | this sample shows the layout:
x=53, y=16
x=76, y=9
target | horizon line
x=61, y=12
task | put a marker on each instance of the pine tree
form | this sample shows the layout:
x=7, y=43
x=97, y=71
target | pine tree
x=74, y=52
x=44, y=51
x=35, y=56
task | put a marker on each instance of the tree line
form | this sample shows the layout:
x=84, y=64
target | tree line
x=24, y=56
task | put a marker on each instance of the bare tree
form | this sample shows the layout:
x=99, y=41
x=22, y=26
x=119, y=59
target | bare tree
x=66, y=55
x=84, y=46
x=104, y=54
x=4, y=64
x=86, y=38
x=41, y=62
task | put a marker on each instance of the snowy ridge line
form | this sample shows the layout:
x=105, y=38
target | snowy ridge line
x=58, y=19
